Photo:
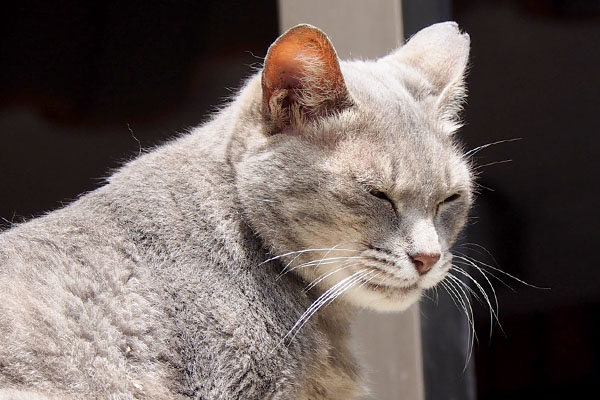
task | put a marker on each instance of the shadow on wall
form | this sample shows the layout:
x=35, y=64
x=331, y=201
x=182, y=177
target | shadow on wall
x=85, y=85
x=534, y=76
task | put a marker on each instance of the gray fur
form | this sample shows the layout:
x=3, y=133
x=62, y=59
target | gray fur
x=154, y=286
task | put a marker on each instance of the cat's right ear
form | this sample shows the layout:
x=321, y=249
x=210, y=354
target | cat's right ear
x=433, y=65
x=301, y=79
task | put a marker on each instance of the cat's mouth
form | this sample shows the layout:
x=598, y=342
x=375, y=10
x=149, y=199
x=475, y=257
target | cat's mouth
x=387, y=285
x=383, y=280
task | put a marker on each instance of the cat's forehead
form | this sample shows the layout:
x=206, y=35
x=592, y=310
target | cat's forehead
x=408, y=165
x=387, y=113
x=377, y=86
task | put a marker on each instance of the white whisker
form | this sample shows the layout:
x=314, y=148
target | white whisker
x=471, y=319
x=493, y=314
x=324, y=299
x=491, y=163
x=300, y=252
x=317, y=263
x=485, y=146
x=451, y=293
x=326, y=275
x=505, y=273
x=458, y=260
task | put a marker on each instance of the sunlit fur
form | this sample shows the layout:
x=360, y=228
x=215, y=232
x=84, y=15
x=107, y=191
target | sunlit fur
x=224, y=265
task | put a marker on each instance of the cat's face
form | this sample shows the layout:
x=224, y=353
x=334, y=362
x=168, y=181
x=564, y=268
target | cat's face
x=361, y=183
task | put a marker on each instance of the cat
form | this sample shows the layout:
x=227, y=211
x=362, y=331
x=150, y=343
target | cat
x=226, y=264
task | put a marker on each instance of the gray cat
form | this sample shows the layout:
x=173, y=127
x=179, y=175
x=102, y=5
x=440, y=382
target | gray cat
x=209, y=267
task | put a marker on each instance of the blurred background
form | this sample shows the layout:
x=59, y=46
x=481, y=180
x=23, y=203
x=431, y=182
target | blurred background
x=85, y=85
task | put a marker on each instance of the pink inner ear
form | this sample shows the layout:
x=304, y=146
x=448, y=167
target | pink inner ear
x=284, y=68
x=284, y=71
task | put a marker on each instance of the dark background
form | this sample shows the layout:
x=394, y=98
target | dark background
x=84, y=85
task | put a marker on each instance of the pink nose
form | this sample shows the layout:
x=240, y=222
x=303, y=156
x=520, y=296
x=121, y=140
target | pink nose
x=424, y=262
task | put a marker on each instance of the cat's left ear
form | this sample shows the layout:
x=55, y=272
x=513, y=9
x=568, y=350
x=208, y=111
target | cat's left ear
x=433, y=65
x=301, y=79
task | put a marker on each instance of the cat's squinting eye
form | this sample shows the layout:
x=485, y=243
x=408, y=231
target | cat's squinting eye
x=381, y=195
x=446, y=201
x=450, y=199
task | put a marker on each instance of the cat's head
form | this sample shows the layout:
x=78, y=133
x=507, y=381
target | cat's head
x=355, y=178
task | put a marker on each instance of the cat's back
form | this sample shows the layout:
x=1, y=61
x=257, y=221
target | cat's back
x=147, y=287
x=76, y=311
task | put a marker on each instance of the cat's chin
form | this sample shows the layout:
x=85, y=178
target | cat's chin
x=383, y=299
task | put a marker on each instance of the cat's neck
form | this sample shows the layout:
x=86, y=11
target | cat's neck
x=335, y=319
x=244, y=120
